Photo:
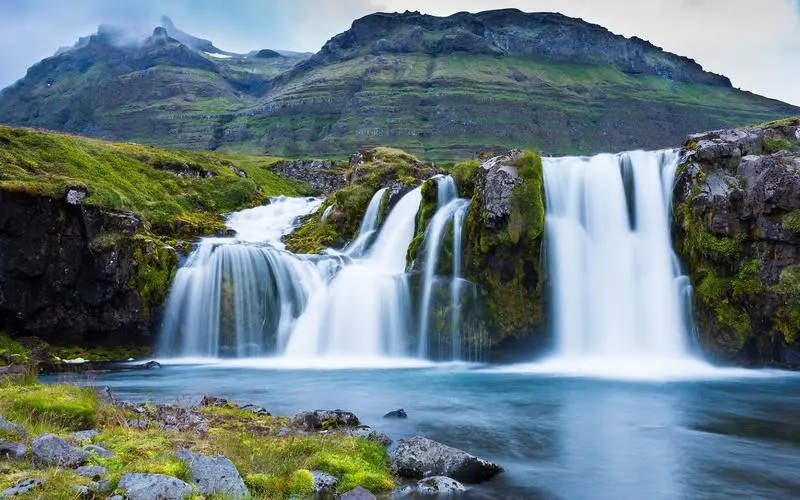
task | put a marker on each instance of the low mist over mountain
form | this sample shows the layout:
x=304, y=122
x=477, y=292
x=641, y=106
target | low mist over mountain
x=440, y=87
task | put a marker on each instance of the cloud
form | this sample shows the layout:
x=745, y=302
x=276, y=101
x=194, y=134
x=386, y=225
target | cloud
x=757, y=46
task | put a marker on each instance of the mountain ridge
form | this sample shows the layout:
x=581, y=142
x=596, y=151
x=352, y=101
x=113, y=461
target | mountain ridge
x=441, y=87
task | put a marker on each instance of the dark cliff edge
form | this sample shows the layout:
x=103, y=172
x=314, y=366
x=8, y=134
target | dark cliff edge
x=737, y=229
x=74, y=274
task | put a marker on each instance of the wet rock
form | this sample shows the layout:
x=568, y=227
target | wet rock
x=325, y=419
x=420, y=457
x=401, y=413
x=99, y=451
x=323, y=483
x=153, y=487
x=498, y=178
x=367, y=432
x=258, y=410
x=23, y=486
x=358, y=493
x=440, y=485
x=215, y=475
x=53, y=450
x=85, y=435
x=12, y=451
x=93, y=472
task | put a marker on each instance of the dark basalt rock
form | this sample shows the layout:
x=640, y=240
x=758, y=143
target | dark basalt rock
x=66, y=272
x=325, y=419
x=401, y=413
x=737, y=228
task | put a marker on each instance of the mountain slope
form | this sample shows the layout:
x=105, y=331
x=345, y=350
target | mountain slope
x=440, y=87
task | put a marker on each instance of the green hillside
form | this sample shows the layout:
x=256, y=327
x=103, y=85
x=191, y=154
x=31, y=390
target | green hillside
x=442, y=88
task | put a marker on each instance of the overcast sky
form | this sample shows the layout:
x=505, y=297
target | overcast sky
x=756, y=44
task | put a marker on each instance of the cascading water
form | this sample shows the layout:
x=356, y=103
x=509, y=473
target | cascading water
x=364, y=310
x=450, y=213
x=240, y=296
x=369, y=225
x=617, y=291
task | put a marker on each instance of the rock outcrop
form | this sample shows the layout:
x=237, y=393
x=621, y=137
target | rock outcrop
x=502, y=254
x=71, y=273
x=326, y=176
x=737, y=228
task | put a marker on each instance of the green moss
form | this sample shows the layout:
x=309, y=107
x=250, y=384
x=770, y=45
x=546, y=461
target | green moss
x=314, y=235
x=427, y=210
x=791, y=222
x=775, y=144
x=50, y=406
x=11, y=351
x=527, y=212
x=464, y=174
x=156, y=265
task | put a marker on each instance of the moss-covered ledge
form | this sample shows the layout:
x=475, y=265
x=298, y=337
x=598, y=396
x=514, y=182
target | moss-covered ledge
x=503, y=249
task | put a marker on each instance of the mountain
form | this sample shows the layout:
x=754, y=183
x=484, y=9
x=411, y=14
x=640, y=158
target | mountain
x=442, y=87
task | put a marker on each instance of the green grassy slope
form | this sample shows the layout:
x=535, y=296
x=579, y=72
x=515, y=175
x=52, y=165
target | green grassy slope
x=448, y=106
x=168, y=188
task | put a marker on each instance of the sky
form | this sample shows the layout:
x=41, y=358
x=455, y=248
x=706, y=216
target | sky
x=756, y=44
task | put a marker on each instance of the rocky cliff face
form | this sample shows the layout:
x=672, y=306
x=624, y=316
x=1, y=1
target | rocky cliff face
x=75, y=274
x=737, y=228
x=545, y=36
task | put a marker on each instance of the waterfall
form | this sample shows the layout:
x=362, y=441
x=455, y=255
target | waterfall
x=617, y=289
x=369, y=225
x=240, y=296
x=364, y=310
x=451, y=211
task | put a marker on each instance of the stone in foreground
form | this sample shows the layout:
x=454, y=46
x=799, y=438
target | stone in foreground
x=318, y=420
x=22, y=487
x=357, y=493
x=154, y=487
x=215, y=475
x=420, y=457
x=440, y=485
x=53, y=450
x=85, y=435
x=11, y=451
x=94, y=472
x=5, y=425
x=323, y=483
x=99, y=451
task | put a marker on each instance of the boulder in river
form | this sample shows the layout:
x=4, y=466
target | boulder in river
x=420, y=457
x=401, y=413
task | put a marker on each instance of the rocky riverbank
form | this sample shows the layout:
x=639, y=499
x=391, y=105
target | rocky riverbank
x=65, y=441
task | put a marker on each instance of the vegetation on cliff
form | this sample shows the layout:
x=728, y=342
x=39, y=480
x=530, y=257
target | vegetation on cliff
x=179, y=193
x=736, y=230
x=369, y=171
